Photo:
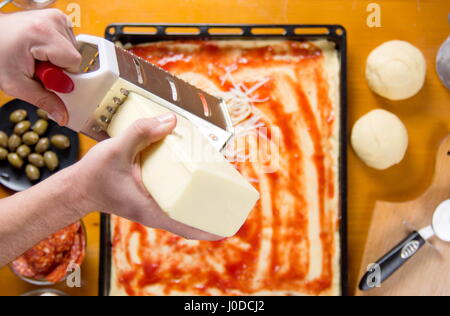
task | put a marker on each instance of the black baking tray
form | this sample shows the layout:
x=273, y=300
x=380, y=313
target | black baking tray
x=132, y=33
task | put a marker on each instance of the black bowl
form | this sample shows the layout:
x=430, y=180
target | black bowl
x=15, y=179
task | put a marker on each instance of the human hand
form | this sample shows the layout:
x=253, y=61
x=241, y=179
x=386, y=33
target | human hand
x=109, y=179
x=43, y=35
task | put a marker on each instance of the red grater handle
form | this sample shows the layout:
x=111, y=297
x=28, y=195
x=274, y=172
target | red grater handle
x=53, y=78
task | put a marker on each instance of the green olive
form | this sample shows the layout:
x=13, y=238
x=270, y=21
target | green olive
x=40, y=127
x=42, y=145
x=32, y=172
x=42, y=114
x=36, y=160
x=51, y=160
x=3, y=139
x=30, y=138
x=3, y=153
x=60, y=141
x=15, y=160
x=14, y=142
x=18, y=116
x=23, y=151
x=22, y=127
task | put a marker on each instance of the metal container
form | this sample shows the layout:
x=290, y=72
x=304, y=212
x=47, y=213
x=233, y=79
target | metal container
x=45, y=292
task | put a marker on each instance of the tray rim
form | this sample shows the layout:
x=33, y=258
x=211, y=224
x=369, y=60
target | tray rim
x=336, y=33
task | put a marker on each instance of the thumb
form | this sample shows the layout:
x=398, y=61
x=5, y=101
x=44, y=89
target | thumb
x=46, y=100
x=145, y=132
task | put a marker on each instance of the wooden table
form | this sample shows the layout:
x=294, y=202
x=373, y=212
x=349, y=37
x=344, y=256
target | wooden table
x=427, y=116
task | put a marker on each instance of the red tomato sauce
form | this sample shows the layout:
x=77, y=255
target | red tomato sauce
x=287, y=263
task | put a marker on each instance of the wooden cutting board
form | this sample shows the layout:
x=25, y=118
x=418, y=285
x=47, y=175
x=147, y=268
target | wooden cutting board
x=428, y=273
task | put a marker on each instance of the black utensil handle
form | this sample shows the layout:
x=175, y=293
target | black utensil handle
x=391, y=262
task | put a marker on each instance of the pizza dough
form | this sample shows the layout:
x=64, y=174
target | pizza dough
x=306, y=252
x=396, y=70
x=380, y=139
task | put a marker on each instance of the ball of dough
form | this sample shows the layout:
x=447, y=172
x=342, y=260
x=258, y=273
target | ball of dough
x=380, y=139
x=396, y=70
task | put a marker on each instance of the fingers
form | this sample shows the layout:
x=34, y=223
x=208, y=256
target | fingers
x=60, y=51
x=72, y=37
x=67, y=31
x=63, y=26
x=145, y=132
x=46, y=100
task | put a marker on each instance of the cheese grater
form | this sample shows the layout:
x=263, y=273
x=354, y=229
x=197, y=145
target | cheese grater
x=109, y=73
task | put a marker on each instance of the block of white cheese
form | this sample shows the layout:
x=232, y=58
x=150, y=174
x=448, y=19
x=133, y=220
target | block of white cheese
x=188, y=178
